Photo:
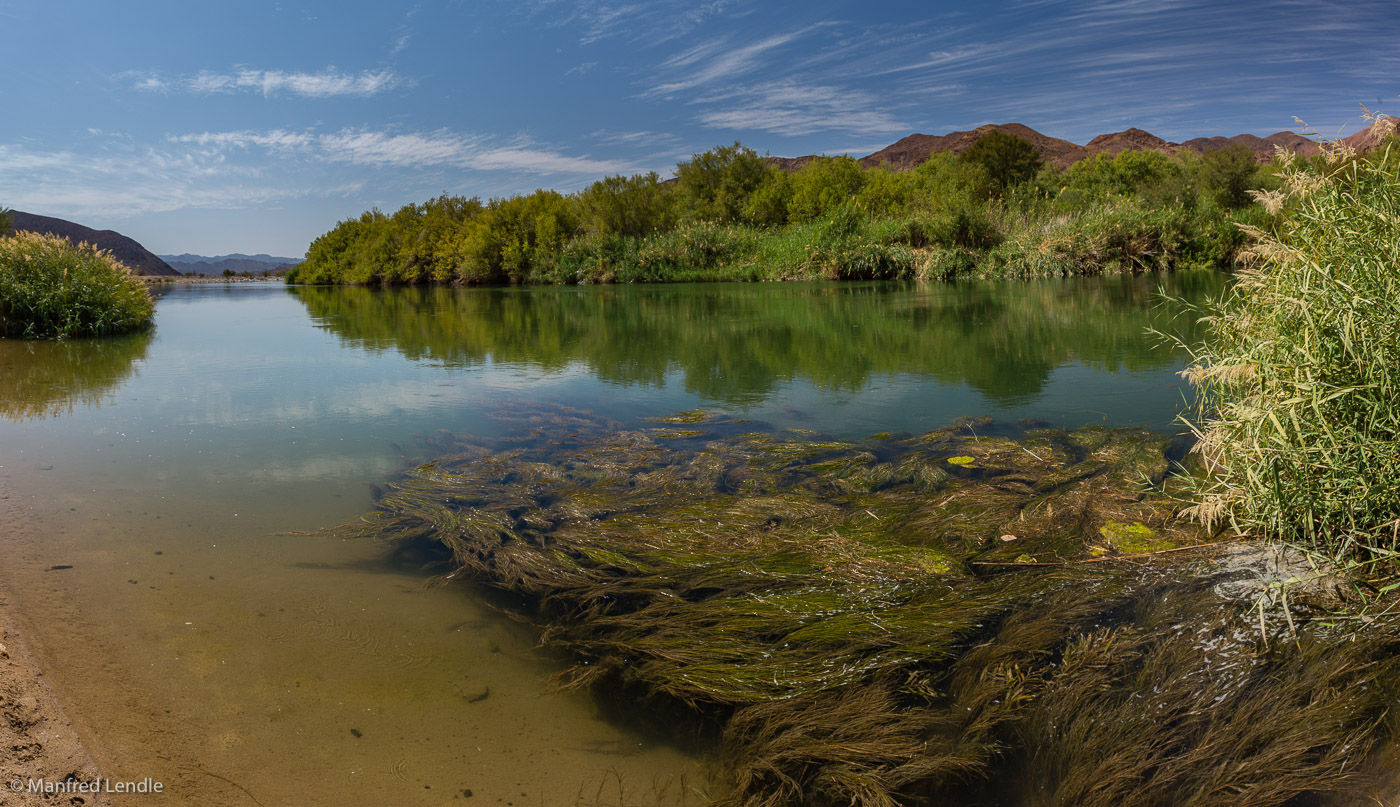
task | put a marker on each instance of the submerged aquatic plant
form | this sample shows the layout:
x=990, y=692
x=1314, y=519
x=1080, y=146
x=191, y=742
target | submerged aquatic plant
x=852, y=616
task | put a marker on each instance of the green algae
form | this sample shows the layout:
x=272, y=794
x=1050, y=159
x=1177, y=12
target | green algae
x=1133, y=539
x=850, y=615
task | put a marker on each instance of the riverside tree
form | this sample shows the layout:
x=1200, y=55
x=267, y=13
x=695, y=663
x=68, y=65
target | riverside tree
x=1007, y=159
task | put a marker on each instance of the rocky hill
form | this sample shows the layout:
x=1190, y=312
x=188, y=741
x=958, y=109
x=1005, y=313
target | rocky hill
x=916, y=148
x=141, y=260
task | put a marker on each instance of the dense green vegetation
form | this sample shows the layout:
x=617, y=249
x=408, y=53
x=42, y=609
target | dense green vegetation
x=51, y=288
x=994, y=211
x=1301, y=372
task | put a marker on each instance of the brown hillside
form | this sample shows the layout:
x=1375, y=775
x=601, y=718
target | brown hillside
x=1128, y=140
x=1294, y=142
x=790, y=164
x=141, y=260
x=916, y=148
x=1264, y=148
x=1371, y=136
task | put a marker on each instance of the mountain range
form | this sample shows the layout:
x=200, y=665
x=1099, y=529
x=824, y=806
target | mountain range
x=910, y=151
x=189, y=264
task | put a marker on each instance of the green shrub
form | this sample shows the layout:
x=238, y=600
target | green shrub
x=51, y=288
x=1008, y=160
x=715, y=185
x=823, y=185
x=1229, y=174
x=1299, y=379
x=633, y=206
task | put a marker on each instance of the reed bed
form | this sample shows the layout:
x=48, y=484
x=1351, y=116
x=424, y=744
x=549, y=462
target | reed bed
x=1300, y=419
x=979, y=614
x=51, y=288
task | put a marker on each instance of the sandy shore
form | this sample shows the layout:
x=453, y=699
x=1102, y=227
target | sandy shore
x=37, y=742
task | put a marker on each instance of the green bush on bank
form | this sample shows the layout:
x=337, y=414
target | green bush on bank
x=994, y=211
x=1300, y=377
x=50, y=288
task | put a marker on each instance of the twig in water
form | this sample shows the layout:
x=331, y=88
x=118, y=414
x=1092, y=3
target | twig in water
x=1098, y=560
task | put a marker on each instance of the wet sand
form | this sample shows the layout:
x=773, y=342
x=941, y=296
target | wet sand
x=239, y=665
x=38, y=744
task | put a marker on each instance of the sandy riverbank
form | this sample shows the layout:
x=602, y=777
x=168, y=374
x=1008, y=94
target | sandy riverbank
x=37, y=742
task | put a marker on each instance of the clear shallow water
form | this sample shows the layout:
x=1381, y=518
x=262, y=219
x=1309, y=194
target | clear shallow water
x=201, y=642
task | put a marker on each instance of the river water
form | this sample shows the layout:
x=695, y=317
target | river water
x=161, y=497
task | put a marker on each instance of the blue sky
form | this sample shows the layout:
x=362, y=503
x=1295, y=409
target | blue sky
x=255, y=126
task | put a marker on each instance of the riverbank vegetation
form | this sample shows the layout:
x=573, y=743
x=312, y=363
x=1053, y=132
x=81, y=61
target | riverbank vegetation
x=994, y=211
x=1299, y=376
x=51, y=288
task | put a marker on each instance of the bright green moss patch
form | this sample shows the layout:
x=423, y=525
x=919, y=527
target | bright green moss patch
x=1134, y=539
x=50, y=288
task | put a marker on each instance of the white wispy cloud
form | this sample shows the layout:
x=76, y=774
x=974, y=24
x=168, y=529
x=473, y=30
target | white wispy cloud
x=963, y=55
x=380, y=149
x=275, y=140
x=719, y=60
x=653, y=21
x=111, y=177
x=789, y=108
x=644, y=138
x=326, y=84
x=138, y=181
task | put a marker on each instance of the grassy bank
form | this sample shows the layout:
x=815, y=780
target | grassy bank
x=50, y=288
x=729, y=215
x=1300, y=418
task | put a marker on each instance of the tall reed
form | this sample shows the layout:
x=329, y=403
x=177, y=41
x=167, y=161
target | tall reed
x=51, y=288
x=1300, y=378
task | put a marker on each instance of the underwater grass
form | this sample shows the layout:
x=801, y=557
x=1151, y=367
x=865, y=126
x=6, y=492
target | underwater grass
x=51, y=288
x=1299, y=411
x=861, y=620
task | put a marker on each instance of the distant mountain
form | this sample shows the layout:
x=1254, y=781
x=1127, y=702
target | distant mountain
x=237, y=256
x=237, y=262
x=916, y=148
x=141, y=260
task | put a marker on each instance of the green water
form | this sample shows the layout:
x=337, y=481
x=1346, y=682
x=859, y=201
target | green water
x=201, y=640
